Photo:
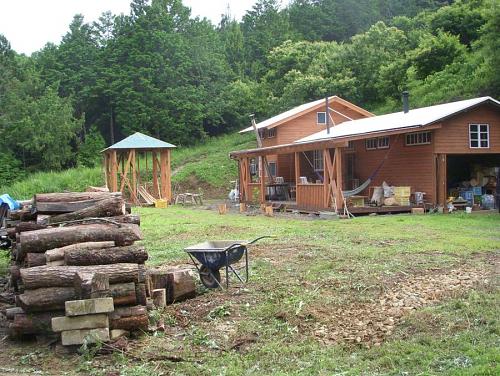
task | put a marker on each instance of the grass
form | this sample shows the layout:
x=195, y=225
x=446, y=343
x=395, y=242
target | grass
x=206, y=166
x=301, y=282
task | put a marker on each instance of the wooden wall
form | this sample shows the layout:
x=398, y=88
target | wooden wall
x=406, y=166
x=453, y=137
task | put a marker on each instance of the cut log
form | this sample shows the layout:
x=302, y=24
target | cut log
x=156, y=279
x=97, y=189
x=11, y=312
x=109, y=207
x=180, y=285
x=89, y=306
x=123, y=294
x=34, y=259
x=63, y=207
x=58, y=253
x=28, y=226
x=32, y=323
x=159, y=298
x=53, y=276
x=50, y=238
x=45, y=299
x=92, y=321
x=140, y=293
x=132, y=254
x=74, y=196
x=130, y=323
x=91, y=285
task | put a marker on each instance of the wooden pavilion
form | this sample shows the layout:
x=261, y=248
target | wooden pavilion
x=139, y=167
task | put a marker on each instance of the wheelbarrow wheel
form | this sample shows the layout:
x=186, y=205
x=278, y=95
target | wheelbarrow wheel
x=208, y=279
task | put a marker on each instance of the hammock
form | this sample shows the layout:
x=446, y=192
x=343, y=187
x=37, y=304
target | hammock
x=365, y=185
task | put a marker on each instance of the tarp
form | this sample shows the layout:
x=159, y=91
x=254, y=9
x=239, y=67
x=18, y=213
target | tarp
x=11, y=203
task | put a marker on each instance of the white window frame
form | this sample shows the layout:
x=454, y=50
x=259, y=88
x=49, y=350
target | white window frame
x=479, y=132
x=318, y=160
x=418, y=138
x=379, y=146
x=317, y=117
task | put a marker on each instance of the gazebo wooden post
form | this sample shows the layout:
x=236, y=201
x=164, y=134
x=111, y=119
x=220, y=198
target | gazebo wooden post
x=163, y=174
x=133, y=163
x=262, y=180
x=156, y=191
x=114, y=172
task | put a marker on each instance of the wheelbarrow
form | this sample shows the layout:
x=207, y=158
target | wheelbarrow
x=211, y=256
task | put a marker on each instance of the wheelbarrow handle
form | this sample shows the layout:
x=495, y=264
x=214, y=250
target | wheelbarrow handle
x=236, y=245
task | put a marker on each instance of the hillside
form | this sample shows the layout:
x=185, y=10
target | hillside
x=205, y=167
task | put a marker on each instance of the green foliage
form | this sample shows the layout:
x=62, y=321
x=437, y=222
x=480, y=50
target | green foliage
x=10, y=168
x=89, y=152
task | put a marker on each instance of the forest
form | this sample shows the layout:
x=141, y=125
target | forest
x=160, y=71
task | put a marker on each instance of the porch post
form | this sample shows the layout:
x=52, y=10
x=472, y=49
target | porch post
x=340, y=183
x=297, y=178
x=114, y=172
x=326, y=177
x=441, y=179
x=262, y=180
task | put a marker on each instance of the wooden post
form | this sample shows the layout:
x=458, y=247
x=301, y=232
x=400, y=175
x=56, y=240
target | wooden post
x=114, y=172
x=156, y=190
x=133, y=163
x=163, y=174
x=169, y=182
x=441, y=167
x=326, y=176
x=262, y=180
x=297, y=176
x=338, y=170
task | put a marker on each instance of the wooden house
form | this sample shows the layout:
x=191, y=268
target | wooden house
x=429, y=149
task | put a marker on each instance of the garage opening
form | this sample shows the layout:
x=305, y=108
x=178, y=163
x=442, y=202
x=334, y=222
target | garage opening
x=473, y=180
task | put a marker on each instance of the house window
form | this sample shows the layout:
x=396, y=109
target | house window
x=321, y=117
x=350, y=145
x=479, y=136
x=383, y=143
x=377, y=143
x=272, y=168
x=420, y=138
x=271, y=133
x=318, y=160
x=254, y=166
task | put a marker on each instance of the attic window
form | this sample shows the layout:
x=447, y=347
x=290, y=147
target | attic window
x=271, y=133
x=479, y=136
x=321, y=117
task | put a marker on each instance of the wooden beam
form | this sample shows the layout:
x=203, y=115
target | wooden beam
x=163, y=174
x=339, y=178
x=114, y=172
x=156, y=188
x=133, y=163
x=262, y=180
x=441, y=167
x=169, y=178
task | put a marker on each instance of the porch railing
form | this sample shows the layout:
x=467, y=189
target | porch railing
x=310, y=196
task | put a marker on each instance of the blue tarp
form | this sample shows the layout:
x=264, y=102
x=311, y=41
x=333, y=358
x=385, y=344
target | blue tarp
x=12, y=204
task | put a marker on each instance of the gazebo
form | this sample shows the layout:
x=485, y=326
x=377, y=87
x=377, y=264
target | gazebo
x=139, y=167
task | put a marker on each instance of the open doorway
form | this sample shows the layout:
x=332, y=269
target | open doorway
x=474, y=178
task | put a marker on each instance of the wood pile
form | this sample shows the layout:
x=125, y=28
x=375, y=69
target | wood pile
x=76, y=268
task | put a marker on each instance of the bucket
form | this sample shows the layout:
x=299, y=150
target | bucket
x=468, y=209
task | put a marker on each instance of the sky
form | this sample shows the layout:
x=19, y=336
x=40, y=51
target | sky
x=30, y=24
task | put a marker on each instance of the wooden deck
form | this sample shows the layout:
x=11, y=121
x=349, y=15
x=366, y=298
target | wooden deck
x=380, y=209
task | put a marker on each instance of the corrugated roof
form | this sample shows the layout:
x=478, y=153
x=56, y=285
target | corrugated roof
x=140, y=141
x=302, y=109
x=419, y=117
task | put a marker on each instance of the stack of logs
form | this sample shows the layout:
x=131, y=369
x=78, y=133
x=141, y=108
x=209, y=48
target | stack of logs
x=76, y=249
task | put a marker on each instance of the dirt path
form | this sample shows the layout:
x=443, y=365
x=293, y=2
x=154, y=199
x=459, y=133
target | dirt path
x=370, y=323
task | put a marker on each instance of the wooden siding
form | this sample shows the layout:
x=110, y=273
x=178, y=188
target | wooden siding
x=406, y=166
x=310, y=196
x=453, y=137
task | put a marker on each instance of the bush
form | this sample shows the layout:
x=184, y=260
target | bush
x=10, y=168
x=89, y=153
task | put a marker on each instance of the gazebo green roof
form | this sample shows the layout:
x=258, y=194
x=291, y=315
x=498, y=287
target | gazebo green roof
x=140, y=141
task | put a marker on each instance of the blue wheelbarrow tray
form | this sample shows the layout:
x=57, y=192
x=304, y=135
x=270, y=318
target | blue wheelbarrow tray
x=212, y=254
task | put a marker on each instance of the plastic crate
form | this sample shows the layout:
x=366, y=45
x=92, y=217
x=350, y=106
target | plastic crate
x=402, y=191
x=161, y=204
x=477, y=191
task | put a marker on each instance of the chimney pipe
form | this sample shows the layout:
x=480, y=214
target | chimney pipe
x=327, y=112
x=406, y=103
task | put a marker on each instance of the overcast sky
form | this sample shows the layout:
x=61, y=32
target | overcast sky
x=29, y=24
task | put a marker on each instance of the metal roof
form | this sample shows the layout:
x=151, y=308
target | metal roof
x=140, y=141
x=416, y=118
x=302, y=109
